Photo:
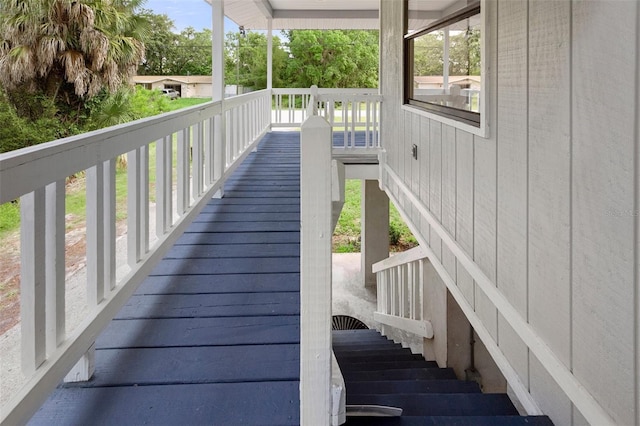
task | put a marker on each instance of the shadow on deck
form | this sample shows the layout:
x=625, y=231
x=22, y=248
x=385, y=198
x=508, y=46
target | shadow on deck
x=212, y=335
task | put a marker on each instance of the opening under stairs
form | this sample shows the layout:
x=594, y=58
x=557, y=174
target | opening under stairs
x=379, y=372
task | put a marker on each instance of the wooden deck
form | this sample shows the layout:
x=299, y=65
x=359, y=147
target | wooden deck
x=212, y=336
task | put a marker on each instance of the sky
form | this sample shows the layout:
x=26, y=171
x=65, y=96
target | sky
x=187, y=13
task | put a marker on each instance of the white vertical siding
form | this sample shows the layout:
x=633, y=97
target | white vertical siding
x=602, y=199
x=548, y=205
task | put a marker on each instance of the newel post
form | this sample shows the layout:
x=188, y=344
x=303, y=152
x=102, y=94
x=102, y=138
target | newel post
x=315, y=277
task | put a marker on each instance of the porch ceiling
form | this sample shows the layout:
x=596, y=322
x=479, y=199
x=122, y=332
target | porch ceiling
x=321, y=14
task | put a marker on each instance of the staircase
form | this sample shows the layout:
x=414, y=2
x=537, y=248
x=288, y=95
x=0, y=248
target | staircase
x=378, y=371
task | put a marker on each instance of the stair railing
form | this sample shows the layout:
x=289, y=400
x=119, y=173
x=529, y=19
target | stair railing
x=192, y=143
x=401, y=295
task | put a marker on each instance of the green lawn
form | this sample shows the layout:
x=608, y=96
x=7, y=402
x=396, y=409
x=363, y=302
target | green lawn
x=180, y=103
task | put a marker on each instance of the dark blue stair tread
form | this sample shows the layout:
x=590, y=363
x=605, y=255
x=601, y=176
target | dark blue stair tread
x=239, y=238
x=223, y=404
x=228, y=283
x=207, y=364
x=387, y=352
x=411, y=374
x=403, y=356
x=210, y=305
x=227, y=266
x=354, y=333
x=173, y=332
x=366, y=349
x=356, y=338
x=450, y=421
x=365, y=345
x=411, y=386
x=244, y=251
x=450, y=404
x=248, y=217
x=223, y=227
x=251, y=208
x=386, y=365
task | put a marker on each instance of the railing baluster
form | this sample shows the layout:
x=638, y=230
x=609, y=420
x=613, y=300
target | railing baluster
x=196, y=163
x=134, y=212
x=55, y=265
x=109, y=181
x=164, y=196
x=95, y=235
x=421, y=295
x=32, y=279
x=144, y=200
x=208, y=152
x=411, y=293
x=354, y=114
x=183, y=171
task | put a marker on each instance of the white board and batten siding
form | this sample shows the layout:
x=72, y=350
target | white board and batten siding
x=546, y=208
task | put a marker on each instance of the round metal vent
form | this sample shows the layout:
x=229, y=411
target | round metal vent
x=345, y=322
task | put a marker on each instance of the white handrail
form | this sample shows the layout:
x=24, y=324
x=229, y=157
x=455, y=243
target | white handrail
x=206, y=156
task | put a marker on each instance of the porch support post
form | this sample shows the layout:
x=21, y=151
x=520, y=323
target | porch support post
x=219, y=140
x=374, y=229
x=270, y=54
x=315, y=272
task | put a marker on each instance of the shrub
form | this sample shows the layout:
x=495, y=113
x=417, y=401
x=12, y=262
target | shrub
x=19, y=132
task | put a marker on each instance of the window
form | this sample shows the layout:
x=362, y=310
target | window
x=443, y=69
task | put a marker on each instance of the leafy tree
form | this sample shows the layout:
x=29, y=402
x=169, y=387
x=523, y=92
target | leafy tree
x=68, y=50
x=160, y=46
x=192, y=53
x=464, y=53
x=246, y=60
x=333, y=58
x=429, y=54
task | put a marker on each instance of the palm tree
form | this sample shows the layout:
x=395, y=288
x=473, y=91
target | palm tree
x=69, y=50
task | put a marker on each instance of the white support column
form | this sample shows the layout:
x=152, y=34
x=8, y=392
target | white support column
x=219, y=152
x=315, y=277
x=445, y=60
x=269, y=53
x=374, y=229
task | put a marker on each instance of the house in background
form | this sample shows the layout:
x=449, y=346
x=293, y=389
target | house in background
x=437, y=81
x=526, y=203
x=189, y=86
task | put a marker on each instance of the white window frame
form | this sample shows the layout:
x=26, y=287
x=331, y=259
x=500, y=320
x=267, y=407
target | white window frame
x=482, y=129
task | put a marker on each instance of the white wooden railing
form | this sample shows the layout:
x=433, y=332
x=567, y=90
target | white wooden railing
x=347, y=110
x=209, y=141
x=401, y=292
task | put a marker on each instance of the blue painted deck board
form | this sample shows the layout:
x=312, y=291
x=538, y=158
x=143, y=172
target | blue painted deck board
x=212, y=335
x=204, y=364
x=247, y=403
x=210, y=305
x=225, y=283
x=233, y=250
x=239, y=238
